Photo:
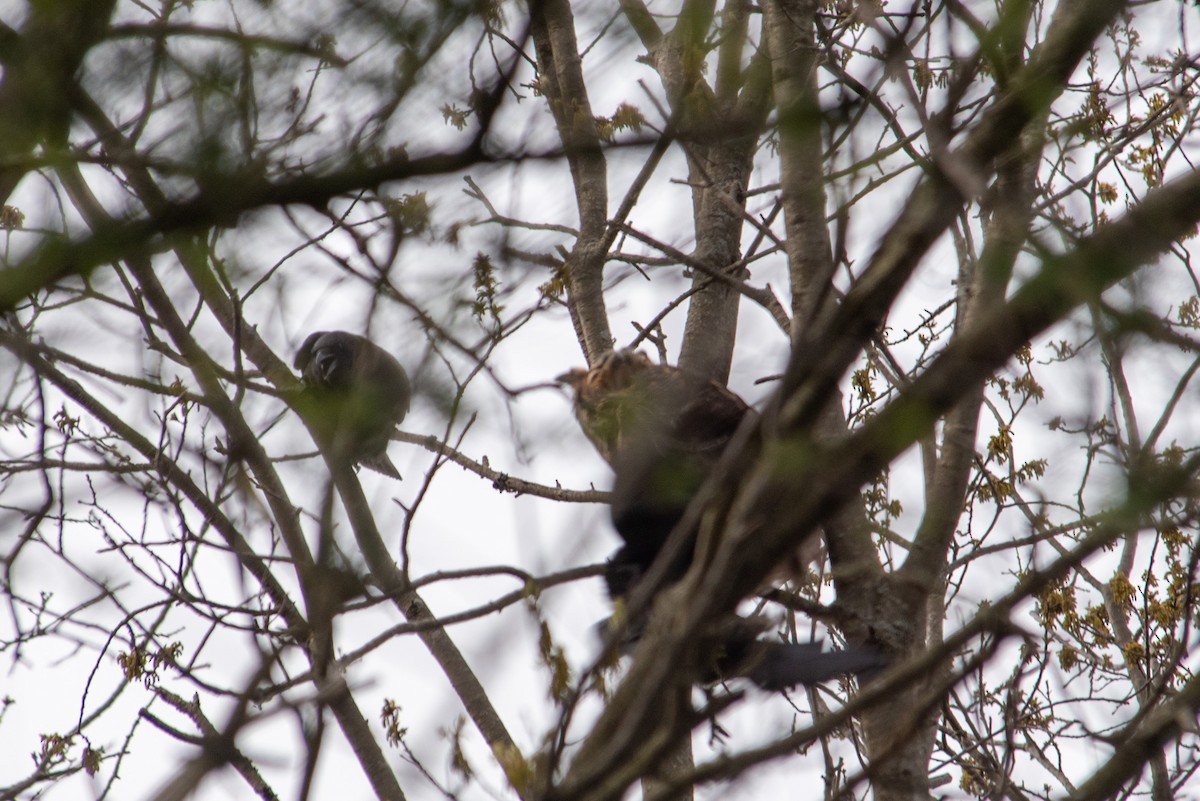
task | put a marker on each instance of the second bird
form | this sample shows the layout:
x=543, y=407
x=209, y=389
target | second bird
x=357, y=393
x=663, y=429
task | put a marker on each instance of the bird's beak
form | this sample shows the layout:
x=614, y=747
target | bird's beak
x=572, y=378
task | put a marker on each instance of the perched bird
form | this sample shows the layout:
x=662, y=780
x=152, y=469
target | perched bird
x=357, y=393
x=662, y=429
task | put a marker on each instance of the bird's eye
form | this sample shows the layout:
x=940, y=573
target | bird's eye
x=327, y=362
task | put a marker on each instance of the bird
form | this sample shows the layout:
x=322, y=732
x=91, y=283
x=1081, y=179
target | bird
x=662, y=430
x=357, y=394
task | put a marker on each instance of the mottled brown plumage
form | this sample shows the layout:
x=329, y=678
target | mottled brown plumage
x=663, y=429
x=627, y=403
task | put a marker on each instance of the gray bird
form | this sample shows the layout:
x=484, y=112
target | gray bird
x=357, y=394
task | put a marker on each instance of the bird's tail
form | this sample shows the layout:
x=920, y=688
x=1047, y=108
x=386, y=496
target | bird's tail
x=777, y=665
x=380, y=463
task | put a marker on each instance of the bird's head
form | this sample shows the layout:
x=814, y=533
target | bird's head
x=573, y=378
x=305, y=353
x=615, y=371
x=328, y=357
